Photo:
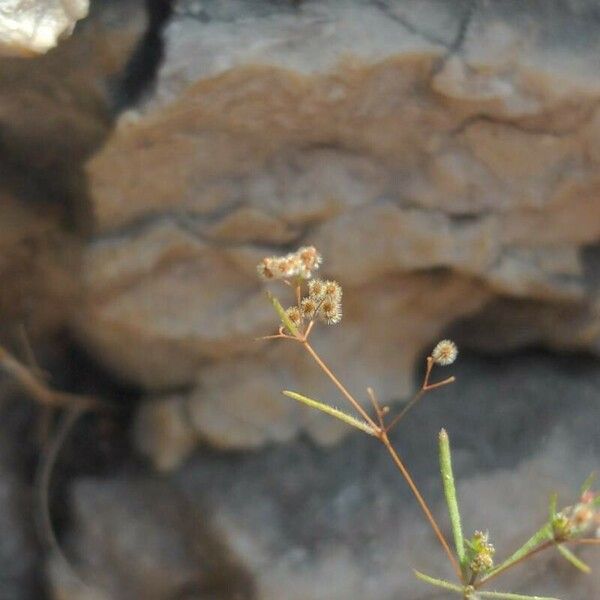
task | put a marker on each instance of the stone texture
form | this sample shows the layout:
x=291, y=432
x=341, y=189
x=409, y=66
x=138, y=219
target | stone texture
x=55, y=109
x=301, y=521
x=36, y=256
x=162, y=544
x=19, y=555
x=164, y=432
x=442, y=155
x=35, y=26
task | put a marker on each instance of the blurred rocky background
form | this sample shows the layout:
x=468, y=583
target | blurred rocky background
x=444, y=157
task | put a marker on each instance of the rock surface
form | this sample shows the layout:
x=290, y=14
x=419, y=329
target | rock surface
x=34, y=26
x=442, y=155
x=296, y=521
x=55, y=110
x=20, y=577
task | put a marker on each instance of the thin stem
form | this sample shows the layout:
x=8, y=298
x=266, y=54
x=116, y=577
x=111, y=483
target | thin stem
x=43, y=476
x=340, y=387
x=275, y=336
x=425, y=387
x=421, y=501
x=376, y=407
x=405, y=410
x=537, y=550
x=447, y=585
x=38, y=390
x=309, y=329
x=540, y=548
x=433, y=386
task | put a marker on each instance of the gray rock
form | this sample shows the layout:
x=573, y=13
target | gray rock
x=141, y=539
x=20, y=577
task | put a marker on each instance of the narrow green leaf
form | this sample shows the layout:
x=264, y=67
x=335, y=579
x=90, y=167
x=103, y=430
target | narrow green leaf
x=334, y=412
x=283, y=315
x=552, y=505
x=440, y=583
x=509, y=596
x=574, y=560
x=586, y=486
x=541, y=535
x=451, y=498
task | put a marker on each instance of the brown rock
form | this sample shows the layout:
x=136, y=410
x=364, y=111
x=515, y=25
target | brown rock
x=451, y=140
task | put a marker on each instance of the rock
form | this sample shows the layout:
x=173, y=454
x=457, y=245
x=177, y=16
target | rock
x=33, y=27
x=56, y=109
x=445, y=166
x=19, y=554
x=301, y=521
x=37, y=261
x=164, y=433
x=161, y=542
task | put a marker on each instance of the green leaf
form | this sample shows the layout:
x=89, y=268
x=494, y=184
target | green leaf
x=509, y=596
x=541, y=535
x=283, y=315
x=586, y=486
x=451, y=498
x=440, y=583
x=334, y=412
x=552, y=506
x=574, y=560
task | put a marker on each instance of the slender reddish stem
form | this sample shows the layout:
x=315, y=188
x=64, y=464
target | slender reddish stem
x=421, y=501
x=584, y=541
x=425, y=387
x=536, y=550
x=340, y=387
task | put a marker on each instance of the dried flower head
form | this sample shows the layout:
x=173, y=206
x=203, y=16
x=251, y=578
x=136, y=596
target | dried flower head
x=309, y=260
x=333, y=290
x=309, y=307
x=330, y=310
x=295, y=316
x=578, y=519
x=287, y=266
x=444, y=353
x=295, y=264
x=316, y=289
x=265, y=269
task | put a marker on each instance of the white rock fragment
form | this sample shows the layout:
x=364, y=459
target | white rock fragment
x=29, y=27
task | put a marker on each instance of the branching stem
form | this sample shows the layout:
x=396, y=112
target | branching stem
x=381, y=434
x=425, y=387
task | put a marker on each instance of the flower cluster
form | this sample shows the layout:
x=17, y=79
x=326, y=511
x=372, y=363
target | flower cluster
x=324, y=302
x=299, y=264
x=579, y=519
x=324, y=298
x=480, y=552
